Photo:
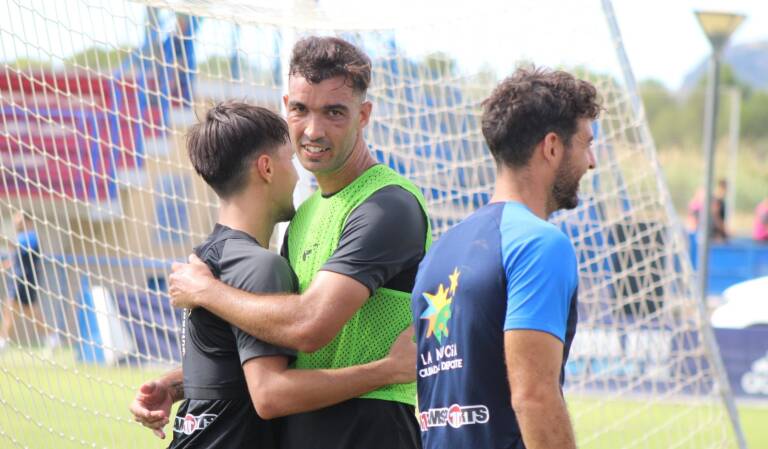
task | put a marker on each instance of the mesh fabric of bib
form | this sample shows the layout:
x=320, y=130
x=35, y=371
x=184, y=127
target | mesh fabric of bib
x=313, y=236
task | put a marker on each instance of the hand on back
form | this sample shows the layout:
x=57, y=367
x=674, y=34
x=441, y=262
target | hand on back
x=402, y=358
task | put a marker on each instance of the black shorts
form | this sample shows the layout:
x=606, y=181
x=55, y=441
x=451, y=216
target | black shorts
x=353, y=424
x=221, y=424
x=25, y=293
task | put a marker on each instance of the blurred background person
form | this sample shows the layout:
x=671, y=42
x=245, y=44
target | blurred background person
x=718, y=230
x=24, y=264
x=760, y=227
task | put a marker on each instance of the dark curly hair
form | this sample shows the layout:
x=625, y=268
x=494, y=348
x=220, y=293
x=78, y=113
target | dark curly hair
x=531, y=103
x=317, y=59
x=222, y=145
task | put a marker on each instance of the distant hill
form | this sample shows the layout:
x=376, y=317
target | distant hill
x=749, y=62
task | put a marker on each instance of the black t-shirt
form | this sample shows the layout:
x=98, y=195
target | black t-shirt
x=382, y=242
x=217, y=411
x=381, y=245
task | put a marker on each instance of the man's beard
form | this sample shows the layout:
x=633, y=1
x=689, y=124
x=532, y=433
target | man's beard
x=565, y=191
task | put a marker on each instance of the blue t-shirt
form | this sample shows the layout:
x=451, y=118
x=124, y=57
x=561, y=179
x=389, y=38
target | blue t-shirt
x=27, y=257
x=502, y=268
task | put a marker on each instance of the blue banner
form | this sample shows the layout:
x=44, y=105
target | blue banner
x=745, y=355
x=645, y=358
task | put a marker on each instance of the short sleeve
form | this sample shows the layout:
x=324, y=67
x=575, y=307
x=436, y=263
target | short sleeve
x=249, y=267
x=250, y=347
x=28, y=241
x=542, y=278
x=382, y=237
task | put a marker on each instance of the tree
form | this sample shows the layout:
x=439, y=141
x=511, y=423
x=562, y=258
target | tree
x=440, y=64
x=99, y=58
x=27, y=64
x=656, y=98
x=754, y=113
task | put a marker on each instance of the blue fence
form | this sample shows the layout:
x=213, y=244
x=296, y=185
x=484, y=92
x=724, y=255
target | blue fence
x=736, y=261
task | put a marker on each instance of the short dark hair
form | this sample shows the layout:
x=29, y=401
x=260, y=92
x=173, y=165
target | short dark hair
x=317, y=59
x=532, y=102
x=222, y=145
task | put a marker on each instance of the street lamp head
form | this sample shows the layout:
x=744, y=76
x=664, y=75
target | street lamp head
x=718, y=26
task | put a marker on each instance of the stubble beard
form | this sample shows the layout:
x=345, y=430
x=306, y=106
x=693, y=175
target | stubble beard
x=565, y=191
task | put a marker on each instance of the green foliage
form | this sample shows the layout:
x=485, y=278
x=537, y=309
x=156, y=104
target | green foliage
x=656, y=97
x=98, y=58
x=677, y=120
x=754, y=116
x=27, y=64
x=220, y=67
x=215, y=67
x=671, y=122
x=95, y=58
x=440, y=64
x=676, y=124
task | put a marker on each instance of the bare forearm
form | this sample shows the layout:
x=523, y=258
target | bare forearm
x=275, y=319
x=545, y=423
x=174, y=380
x=297, y=390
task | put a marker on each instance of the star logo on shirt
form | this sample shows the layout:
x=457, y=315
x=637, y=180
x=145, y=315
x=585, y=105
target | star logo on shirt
x=439, y=311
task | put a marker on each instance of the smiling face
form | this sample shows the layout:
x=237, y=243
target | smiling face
x=325, y=122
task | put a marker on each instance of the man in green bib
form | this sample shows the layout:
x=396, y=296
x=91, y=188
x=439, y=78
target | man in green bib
x=355, y=246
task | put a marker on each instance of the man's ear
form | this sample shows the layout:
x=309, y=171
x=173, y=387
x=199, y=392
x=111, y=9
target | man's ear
x=285, y=101
x=552, y=148
x=365, y=113
x=264, y=167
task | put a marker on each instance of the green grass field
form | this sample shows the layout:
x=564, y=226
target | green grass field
x=56, y=403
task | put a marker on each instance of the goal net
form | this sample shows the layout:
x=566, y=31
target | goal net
x=96, y=96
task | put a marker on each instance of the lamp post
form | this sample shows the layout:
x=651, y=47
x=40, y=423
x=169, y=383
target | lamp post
x=718, y=26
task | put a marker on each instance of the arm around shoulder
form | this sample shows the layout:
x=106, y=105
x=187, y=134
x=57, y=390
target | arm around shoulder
x=278, y=391
x=304, y=322
x=329, y=302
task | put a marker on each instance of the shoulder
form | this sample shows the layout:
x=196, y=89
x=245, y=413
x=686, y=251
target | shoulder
x=392, y=197
x=27, y=239
x=517, y=221
x=550, y=241
x=242, y=251
x=246, y=265
x=391, y=207
x=525, y=235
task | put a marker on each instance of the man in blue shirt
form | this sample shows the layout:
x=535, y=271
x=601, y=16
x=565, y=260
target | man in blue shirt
x=494, y=303
x=24, y=265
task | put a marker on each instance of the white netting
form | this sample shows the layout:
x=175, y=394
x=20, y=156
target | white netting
x=96, y=96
